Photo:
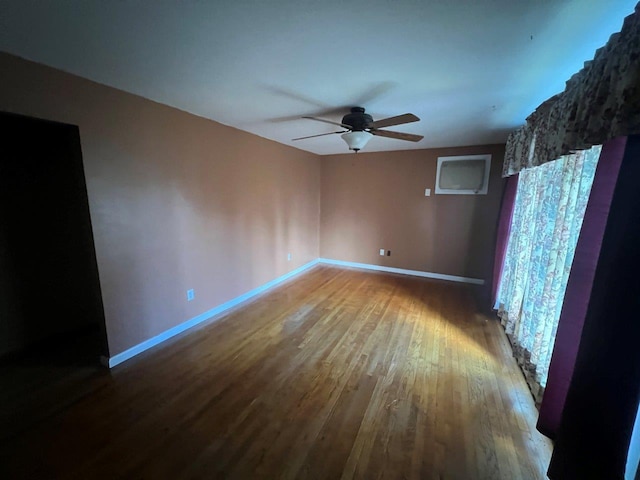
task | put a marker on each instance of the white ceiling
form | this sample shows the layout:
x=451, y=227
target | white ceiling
x=472, y=70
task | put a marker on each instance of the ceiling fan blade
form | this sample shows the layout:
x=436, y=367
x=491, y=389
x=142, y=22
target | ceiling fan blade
x=319, y=135
x=329, y=121
x=399, y=135
x=374, y=92
x=397, y=120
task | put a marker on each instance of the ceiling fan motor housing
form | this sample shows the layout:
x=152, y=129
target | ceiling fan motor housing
x=357, y=119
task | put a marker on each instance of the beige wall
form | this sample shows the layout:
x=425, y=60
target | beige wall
x=176, y=201
x=179, y=202
x=376, y=200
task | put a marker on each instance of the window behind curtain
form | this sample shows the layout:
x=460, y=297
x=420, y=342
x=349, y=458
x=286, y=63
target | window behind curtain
x=550, y=203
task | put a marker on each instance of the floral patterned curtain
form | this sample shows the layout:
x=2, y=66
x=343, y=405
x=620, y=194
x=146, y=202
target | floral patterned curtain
x=600, y=102
x=550, y=203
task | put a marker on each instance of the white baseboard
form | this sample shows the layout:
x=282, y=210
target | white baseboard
x=152, y=342
x=167, y=334
x=415, y=273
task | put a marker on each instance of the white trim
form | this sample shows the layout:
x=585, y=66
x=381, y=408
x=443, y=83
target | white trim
x=633, y=452
x=167, y=334
x=415, y=273
x=152, y=342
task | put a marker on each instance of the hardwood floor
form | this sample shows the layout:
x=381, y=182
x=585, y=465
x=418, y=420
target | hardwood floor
x=336, y=374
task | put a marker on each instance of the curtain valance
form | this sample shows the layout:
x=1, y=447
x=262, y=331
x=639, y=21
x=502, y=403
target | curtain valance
x=600, y=102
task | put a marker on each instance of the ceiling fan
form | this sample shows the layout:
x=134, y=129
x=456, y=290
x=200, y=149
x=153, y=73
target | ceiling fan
x=360, y=127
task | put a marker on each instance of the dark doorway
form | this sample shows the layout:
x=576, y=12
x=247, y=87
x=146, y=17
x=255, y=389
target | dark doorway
x=51, y=312
x=49, y=287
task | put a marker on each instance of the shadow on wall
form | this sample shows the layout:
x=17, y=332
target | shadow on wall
x=482, y=249
x=468, y=227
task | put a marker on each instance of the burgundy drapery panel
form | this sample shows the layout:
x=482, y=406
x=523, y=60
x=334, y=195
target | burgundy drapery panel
x=579, y=287
x=504, y=226
x=600, y=103
x=602, y=399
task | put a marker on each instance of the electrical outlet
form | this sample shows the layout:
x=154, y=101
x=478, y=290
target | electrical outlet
x=427, y=192
x=190, y=295
x=288, y=257
x=382, y=252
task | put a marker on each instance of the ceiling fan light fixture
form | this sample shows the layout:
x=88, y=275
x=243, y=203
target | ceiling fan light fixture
x=356, y=140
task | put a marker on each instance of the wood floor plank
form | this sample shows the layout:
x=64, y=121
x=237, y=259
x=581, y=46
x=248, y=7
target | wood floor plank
x=338, y=373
